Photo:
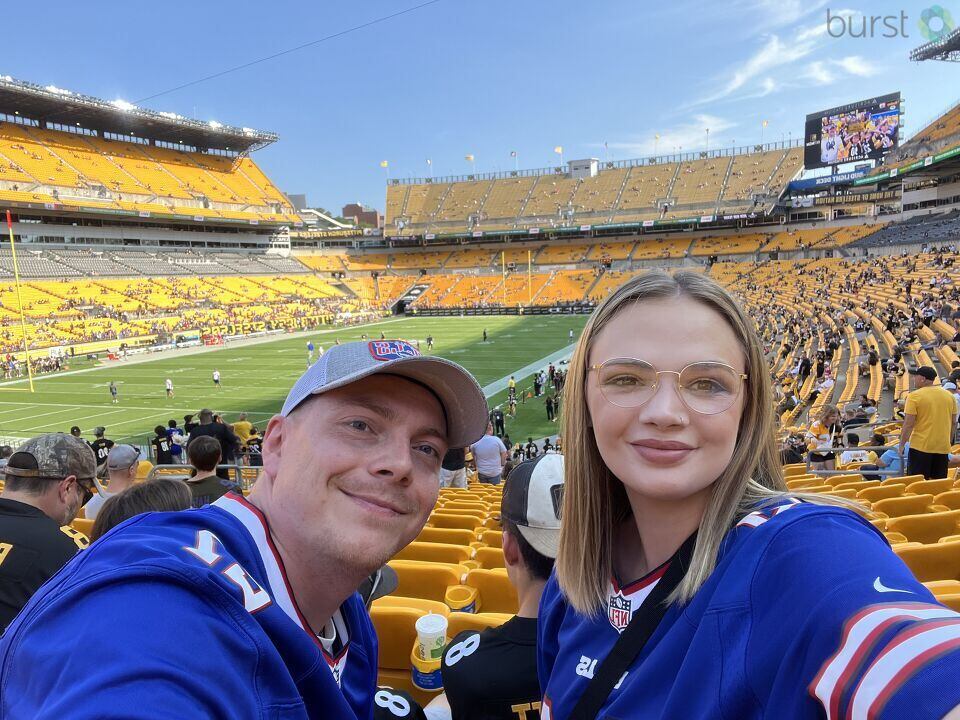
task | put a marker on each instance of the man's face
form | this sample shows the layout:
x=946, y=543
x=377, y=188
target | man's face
x=355, y=471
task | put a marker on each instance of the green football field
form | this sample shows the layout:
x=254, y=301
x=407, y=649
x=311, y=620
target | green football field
x=256, y=377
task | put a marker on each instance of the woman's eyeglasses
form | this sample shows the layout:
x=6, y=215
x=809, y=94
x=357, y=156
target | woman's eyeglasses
x=707, y=388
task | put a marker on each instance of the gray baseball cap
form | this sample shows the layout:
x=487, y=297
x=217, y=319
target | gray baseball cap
x=53, y=456
x=462, y=399
x=122, y=457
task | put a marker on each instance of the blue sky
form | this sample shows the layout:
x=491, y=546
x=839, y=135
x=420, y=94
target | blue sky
x=484, y=78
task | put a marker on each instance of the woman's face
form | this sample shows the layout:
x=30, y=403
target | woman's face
x=663, y=450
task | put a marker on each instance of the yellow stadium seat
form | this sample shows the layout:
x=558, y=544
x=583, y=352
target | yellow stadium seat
x=396, y=633
x=463, y=522
x=926, y=527
x=492, y=538
x=856, y=486
x=453, y=536
x=949, y=499
x=937, y=561
x=902, y=479
x=803, y=483
x=881, y=492
x=479, y=507
x=933, y=487
x=906, y=505
x=835, y=480
x=459, y=621
x=82, y=525
x=435, y=552
x=428, y=580
x=419, y=604
x=490, y=558
x=143, y=469
x=496, y=592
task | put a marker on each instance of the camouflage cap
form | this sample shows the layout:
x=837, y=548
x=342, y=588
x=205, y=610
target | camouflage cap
x=53, y=456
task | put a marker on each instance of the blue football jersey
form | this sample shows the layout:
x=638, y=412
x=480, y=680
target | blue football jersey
x=187, y=614
x=808, y=614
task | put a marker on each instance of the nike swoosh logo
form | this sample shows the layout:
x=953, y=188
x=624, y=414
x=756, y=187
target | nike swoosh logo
x=880, y=587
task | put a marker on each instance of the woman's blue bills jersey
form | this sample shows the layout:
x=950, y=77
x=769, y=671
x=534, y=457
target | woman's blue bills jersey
x=185, y=614
x=808, y=614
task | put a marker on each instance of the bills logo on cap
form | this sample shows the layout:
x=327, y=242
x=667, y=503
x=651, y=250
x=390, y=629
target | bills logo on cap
x=392, y=350
x=619, y=611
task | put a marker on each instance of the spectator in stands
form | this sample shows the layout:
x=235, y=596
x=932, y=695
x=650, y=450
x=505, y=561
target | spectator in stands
x=241, y=428
x=75, y=431
x=101, y=447
x=122, y=464
x=489, y=674
x=453, y=471
x=489, y=454
x=177, y=441
x=852, y=455
x=675, y=511
x=188, y=424
x=162, y=447
x=221, y=433
x=852, y=417
x=267, y=586
x=793, y=449
x=930, y=416
x=205, y=485
x=878, y=440
x=530, y=449
x=822, y=437
x=47, y=480
x=5, y=452
x=868, y=407
x=157, y=495
x=955, y=372
x=255, y=448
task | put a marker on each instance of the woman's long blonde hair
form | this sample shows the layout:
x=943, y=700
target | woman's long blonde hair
x=595, y=501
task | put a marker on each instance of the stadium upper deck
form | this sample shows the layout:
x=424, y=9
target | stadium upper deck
x=725, y=181
x=72, y=153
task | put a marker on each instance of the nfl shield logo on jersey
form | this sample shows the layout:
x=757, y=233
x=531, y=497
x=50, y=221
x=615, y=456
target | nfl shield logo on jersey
x=619, y=611
x=392, y=350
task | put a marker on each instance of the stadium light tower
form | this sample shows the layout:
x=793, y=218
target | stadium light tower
x=707, y=147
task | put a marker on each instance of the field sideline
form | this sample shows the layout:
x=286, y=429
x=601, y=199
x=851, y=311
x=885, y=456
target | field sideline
x=256, y=378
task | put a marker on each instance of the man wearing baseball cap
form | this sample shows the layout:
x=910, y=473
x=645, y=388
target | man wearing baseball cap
x=490, y=674
x=46, y=481
x=265, y=586
x=122, y=464
x=929, y=417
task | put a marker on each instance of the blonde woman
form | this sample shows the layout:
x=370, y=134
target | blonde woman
x=821, y=436
x=689, y=584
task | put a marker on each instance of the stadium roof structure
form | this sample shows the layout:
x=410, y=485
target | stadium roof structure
x=946, y=48
x=50, y=104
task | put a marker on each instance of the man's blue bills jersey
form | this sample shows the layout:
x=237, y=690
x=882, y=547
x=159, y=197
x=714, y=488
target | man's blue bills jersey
x=187, y=614
x=808, y=614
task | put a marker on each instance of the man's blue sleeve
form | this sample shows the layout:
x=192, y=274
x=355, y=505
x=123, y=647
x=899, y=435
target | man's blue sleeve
x=143, y=647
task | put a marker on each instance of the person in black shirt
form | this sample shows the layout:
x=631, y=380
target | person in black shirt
x=101, y=446
x=205, y=485
x=493, y=674
x=255, y=448
x=453, y=471
x=551, y=408
x=221, y=432
x=161, y=446
x=188, y=424
x=47, y=480
x=496, y=417
x=530, y=449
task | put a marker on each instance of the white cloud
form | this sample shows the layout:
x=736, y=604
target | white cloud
x=827, y=72
x=856, y=65
x=784, y=58
x=691, y=136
